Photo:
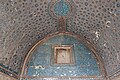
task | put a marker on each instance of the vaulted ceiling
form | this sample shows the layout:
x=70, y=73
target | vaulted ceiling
x=24, y=22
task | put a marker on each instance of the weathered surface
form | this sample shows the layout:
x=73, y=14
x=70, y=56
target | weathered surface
x=23, y=22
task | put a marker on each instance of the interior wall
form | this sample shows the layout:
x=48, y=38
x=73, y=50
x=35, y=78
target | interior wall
x=24, y=22
x=40, y=65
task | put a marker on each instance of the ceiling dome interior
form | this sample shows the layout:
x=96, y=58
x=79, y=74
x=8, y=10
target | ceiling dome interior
x=25, y=22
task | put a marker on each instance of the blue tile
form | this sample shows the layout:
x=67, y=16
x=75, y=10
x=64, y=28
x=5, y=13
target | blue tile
x=85, y=63
x=61, y=8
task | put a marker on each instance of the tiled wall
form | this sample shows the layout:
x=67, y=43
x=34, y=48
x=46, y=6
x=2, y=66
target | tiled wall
x=24, y=22
x=99, y=22
x=42, y=64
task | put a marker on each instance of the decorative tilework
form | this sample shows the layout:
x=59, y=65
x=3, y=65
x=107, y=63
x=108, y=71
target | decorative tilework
x=15, y=29
x=61, y=8
x=24, y=22
x=9, y=73
x=98, y=22
x=41, y=63
x=64, y=8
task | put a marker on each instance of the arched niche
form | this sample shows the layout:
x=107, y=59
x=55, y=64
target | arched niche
x=63, y=55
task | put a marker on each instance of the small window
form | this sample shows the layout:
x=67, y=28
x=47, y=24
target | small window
x=63, y=54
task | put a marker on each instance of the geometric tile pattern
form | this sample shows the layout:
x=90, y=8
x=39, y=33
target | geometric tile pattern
x=24, y=22
x=99, y=22
x=84, y=62
x=41, y=62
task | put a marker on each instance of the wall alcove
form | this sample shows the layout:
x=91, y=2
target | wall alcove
x=63, y=56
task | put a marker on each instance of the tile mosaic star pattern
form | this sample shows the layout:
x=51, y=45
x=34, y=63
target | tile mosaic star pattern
x=24, y=22
x=99, y=22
